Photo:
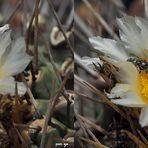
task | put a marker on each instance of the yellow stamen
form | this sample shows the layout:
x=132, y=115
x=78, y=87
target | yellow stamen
x=143, y=81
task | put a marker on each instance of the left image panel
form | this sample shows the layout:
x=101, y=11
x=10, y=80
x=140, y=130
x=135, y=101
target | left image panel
x=36, y=74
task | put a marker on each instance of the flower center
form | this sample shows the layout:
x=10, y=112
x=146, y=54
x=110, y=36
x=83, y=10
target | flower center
x=143, y=81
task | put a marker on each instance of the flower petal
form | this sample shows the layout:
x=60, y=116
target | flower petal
x=130, y=100
x=87, y=61
x=143, y=25
x=127, y=73
x=16, y=59
x=4, y=28
x=144, y=117
x=131, y=34
x=128, y=28
x=119, y=90
x=7, y=86
x=109, y=47
x=5, y=40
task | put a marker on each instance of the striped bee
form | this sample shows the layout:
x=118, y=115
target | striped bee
x=140, y=63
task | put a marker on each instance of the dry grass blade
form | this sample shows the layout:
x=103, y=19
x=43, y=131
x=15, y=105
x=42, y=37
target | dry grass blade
x=93, y=125
x=135, y=139
x=131, y=122
x=91, y=134
x=30, y=93
x=96, y=144
x=36, y=34
x=79, y=62
x=101, y=20
x=48, y=47
x=79, y=22
x=21, y=138
x=18, y=5
x=86, y=130
x=50, y=110
x=81, y=125
x=146, y=8
x=100, y=95
x=82, y=96
x=142, y=137
x=60, y=25
x=29, y=31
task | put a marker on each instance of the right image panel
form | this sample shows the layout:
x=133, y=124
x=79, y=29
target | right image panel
x=111, y=73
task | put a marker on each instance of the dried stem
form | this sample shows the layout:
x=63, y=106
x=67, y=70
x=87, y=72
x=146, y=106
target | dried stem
x=98, y=128
x=50, y=110
x=101, y=20
x=18, y=5
x=60, y=25
x=79, y=62
x=100, y=94
x=36, y=34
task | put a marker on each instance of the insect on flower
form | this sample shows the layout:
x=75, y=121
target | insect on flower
x=130, y=55
x=140, y=63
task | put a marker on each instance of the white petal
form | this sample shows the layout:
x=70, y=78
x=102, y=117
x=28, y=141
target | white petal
x=143, y=25
x=144, y=117
x=127, y=73
x=109, y=47
x=17, y=59
x=21, y=88
x=5, y=41
x=119, y=90
x=4, y=28
x=18, y=46
x=128, y=27
x=7, y=86
x=128, y=96
x=130, y=100
x=130, y=33
x=16, y=64
x=87, y=61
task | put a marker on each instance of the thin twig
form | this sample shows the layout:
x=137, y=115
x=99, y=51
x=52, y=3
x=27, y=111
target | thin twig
x=25, y=17
x=81, y=125
x=60, y=25
x=95, y=144
x=82, y=96
x=146, y=8
x=30, y=93
x=29, y=30
x=71, y=15
x=48, y=47
x=143, y=138
x=50, y=110
x=98, y=128
x=100, y=94
x=131, y=122
x=135, y=139
x=79, y=62
x=91, y=134
x=27, y=126
x=101, y=20
x=36, y=34
x=18, y=5
x=21, y=138
x=79, y=22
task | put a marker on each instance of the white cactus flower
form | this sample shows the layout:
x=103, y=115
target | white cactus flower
x=13, y=60
x=133, y=33
x=133, y=88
